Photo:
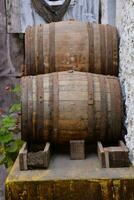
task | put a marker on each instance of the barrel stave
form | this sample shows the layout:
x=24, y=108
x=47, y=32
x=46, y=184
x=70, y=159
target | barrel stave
x=71, y=105
x=73, y=45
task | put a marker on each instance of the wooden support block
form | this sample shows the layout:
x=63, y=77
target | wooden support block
x=77, y=149
x=34, y=160
x=114, y=156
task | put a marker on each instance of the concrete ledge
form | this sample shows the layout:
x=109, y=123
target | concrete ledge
x=71, y=180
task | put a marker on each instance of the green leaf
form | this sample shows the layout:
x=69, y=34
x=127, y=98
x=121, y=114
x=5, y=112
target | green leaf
x=2, y=150
x=9, y=147
x=4, y=139
x=12, y=147
x=15, y=108
x=19, y=143
x=2, y=160
x=17, y=89
x=7, y=161
x=8, y=121
x=4, y=131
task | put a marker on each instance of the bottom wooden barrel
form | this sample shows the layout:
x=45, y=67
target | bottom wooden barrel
x=65, y=106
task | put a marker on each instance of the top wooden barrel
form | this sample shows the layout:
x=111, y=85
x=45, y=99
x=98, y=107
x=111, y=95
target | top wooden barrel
x=68, y=45
x=64, y=106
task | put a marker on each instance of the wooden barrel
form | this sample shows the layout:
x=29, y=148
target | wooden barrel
x=64, y=106
x=71, y=45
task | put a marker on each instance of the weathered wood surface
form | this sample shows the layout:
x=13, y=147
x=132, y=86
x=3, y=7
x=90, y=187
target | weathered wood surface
x=11, y=46
x=70, y=45
x=71, y=180
x=13, y=12
x=16, y=48
x=11, y=54
x=35, y=159
x=39, y=159
x=24, y=14
x=23, y=157
x=108, y=11
x=2, y=17
x=5, y=62
x=64, y=106
x=77, y=149
x=113, y=156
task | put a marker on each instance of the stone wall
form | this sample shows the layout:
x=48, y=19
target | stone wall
x=123, y=18
x=125, y=24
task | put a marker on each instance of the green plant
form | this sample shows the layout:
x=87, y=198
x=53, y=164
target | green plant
x=9, y=145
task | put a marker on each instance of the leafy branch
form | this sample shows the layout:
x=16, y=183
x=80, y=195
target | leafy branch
x=9, y=145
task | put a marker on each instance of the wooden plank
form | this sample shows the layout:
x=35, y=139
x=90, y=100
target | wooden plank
x=47, y=155
x=23, y=157
x=107, y=159
x=101, y=154
x=16, y=52
x=118, y=159
x=121, y=143
x=108, y=12
x=2, y=17
x=11, y=54
x=13, y=16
